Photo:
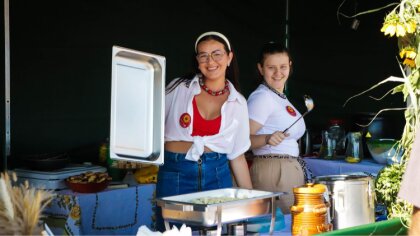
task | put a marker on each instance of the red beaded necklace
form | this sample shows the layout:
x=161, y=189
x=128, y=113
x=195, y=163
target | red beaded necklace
x=211, y=92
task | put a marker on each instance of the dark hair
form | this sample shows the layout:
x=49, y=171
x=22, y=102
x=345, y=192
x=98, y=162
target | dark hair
x=232, y=71
x=267, y=49
x=271, y=48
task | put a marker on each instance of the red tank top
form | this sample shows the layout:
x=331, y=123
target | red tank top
x=202, y=127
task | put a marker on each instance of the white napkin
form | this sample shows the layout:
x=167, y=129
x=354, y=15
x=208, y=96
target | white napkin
x=183, y=231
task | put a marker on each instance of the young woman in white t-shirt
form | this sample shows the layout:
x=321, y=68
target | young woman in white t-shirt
x=276, y=164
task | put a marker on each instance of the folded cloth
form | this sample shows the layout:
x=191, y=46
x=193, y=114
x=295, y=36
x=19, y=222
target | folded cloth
x=197, y=149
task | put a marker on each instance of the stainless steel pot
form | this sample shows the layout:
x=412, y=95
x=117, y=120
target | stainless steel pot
x=352, y=199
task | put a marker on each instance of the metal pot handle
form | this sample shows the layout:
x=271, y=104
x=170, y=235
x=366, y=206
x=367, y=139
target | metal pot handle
x=337, y=202
x=370, y=193
x=341, y=199
x=332, y=208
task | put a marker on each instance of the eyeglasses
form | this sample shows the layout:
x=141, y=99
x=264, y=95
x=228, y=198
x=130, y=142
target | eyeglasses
x=204, y=57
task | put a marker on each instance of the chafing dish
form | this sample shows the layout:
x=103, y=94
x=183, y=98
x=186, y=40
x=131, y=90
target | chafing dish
x=245, y=204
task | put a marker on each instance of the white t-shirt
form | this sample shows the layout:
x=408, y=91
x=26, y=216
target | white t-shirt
x=233, y=137
x=275, y=114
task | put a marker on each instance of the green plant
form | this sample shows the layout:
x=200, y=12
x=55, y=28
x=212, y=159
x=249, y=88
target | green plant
x=404, y=23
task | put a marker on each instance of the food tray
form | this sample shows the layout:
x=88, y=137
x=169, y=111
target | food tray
x=250, y=203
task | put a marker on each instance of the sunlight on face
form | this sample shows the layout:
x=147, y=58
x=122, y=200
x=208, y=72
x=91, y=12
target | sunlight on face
x=276, y=70
x=213, y=59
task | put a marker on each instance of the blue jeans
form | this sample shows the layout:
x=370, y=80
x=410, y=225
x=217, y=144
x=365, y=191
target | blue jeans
x=181, y=176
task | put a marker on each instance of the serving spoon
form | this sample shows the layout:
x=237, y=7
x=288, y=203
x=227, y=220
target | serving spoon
x=309, y=103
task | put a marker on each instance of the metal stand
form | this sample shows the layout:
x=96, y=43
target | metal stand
x=273, y=215
x=6, y=151
x=219, y=220
x=167, y=226
x=231, y=228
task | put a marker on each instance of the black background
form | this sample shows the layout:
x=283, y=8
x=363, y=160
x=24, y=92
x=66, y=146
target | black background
x=61, y=58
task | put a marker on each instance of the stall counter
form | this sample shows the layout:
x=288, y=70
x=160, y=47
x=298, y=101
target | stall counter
x=110, y=212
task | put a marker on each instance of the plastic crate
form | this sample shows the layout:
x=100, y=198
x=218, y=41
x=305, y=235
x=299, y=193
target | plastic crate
x=386, y=227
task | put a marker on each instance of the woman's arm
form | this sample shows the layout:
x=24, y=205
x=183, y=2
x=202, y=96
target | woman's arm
x=241, y=172
x=415, y=222
x=258, y=141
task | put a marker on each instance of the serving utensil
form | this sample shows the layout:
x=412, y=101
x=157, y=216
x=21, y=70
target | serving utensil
x=309, y=103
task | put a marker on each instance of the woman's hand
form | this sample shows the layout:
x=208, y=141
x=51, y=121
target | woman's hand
x=261, y=140
x=275, y=138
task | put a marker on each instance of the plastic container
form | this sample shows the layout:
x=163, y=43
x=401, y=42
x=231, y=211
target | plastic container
x=103, y=153
x=116, y=173
x=262, y=224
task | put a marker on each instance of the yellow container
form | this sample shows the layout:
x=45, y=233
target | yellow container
x=310, y=211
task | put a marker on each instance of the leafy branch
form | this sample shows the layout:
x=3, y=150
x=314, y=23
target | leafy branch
x=403, y=22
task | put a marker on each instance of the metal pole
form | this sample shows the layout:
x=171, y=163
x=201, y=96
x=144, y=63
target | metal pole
x=7, y=83
x=286, y=42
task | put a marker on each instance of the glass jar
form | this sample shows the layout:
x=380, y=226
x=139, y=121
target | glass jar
x=354, y=152
x=337, y=134
x=327, y=150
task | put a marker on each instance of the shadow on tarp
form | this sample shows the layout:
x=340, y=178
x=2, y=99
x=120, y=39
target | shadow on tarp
x=386, y=227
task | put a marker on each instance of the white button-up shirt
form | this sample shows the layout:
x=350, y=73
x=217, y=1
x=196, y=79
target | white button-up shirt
x=233, y=137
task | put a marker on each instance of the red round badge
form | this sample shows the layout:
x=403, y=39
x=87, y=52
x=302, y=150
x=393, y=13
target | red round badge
x=291, y=111
x=185, y=120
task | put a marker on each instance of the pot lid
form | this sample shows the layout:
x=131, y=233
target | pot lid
x=310, y=188
x=341, y=178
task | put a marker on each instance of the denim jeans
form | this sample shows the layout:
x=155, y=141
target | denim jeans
x=181, y=176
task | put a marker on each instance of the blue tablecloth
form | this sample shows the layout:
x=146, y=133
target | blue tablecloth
x=321, y=167
x=110, y=212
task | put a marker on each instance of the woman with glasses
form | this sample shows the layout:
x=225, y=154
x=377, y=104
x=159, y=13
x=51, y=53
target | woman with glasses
x=276, y=164
x=206, y=124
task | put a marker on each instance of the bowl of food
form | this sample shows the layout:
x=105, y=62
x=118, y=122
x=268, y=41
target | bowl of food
x=384, y=151
x=89, y=182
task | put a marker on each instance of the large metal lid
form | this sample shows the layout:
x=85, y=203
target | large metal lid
x=333, y=178
x=310, y=188
x=137, y=106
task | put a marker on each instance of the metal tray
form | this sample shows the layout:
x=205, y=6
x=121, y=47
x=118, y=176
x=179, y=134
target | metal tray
x=251, y=203
x=137, y=106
